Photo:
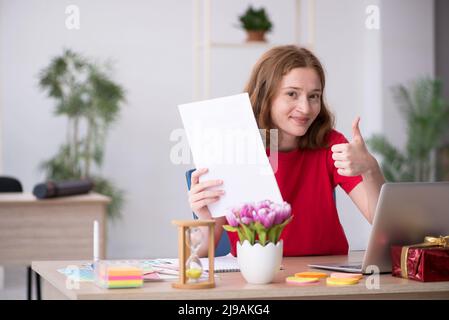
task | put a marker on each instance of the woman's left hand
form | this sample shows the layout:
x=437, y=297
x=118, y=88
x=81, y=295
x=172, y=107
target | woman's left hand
x=353, y=158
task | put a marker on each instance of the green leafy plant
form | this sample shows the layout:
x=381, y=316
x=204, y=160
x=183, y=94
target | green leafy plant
x=91, y=101
x=427, y=116
x=255, y=20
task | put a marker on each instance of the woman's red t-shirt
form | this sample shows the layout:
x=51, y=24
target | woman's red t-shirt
x=306, y=179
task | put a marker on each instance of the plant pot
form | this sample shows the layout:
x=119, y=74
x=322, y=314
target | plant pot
x=255, y=35
x=259, y=264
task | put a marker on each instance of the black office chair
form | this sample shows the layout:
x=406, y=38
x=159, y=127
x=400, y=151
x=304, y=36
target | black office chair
x=10, y=184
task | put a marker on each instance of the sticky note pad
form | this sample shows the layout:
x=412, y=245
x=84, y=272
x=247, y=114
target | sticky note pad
x=110, y=274
x=341, y=281
x=301, y=281
x=311, y=274
x=347, y=275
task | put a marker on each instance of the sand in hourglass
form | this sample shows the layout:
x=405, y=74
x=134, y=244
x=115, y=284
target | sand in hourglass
x=194, y=267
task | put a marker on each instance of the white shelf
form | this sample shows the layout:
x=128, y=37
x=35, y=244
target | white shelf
x=203, y=42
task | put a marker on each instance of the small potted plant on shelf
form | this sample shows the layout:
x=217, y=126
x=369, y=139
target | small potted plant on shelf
x=256, y=23
x=259, y=226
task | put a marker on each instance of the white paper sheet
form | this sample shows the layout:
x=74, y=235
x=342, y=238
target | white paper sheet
x=224, y=137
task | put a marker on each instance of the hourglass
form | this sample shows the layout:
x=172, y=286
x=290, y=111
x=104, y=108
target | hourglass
x=190, y=266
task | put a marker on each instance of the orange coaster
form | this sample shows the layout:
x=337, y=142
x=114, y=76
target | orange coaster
x=301, y=281
x=342, y=275
x=311, y=274
x=341, y=281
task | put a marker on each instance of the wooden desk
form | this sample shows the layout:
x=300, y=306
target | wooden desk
x=50, y=229
x=233, y=286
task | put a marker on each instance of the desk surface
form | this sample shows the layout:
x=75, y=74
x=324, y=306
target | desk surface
x=29, y=198
x=233, y=286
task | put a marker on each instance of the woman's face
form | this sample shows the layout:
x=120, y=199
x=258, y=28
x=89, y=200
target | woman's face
x=297, y=103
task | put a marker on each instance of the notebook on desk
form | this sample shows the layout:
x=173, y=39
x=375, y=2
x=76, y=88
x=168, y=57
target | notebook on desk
x=226, y=263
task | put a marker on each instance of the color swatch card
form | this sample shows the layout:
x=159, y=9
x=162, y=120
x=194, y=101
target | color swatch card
x=84, y=273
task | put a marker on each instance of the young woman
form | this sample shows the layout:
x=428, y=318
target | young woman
x=286, y=90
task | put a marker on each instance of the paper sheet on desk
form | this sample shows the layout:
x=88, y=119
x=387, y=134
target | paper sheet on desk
x=223, y=137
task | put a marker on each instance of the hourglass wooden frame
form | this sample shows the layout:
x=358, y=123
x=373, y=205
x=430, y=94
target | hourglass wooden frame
x=184, y=252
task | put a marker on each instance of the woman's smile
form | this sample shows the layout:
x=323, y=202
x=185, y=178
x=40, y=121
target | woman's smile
x=300, y=120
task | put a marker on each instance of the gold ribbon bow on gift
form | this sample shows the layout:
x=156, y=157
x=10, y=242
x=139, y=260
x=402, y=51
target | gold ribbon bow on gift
x=440, y=241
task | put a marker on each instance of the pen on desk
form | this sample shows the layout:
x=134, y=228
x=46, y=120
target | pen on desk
x=96, y=242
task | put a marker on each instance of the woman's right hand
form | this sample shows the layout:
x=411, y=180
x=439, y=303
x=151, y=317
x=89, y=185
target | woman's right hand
x=200, y=196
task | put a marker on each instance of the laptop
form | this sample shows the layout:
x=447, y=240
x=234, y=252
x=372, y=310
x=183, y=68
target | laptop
x=405, y=214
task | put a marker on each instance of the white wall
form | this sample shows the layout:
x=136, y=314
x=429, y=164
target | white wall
x=151, y=42
x=408, y=52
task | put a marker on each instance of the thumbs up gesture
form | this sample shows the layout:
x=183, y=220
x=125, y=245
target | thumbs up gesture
x=353, y=158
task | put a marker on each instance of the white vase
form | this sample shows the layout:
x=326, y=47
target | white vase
x=259, y=264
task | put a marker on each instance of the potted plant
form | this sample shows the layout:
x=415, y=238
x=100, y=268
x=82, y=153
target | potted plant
x=256, y=23
x=259, y=227
x=427, y=115
x=84, y=93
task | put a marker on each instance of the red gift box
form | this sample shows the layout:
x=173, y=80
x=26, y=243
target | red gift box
x=428, y=261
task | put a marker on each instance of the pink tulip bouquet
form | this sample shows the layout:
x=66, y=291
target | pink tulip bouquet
x=262, y=221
